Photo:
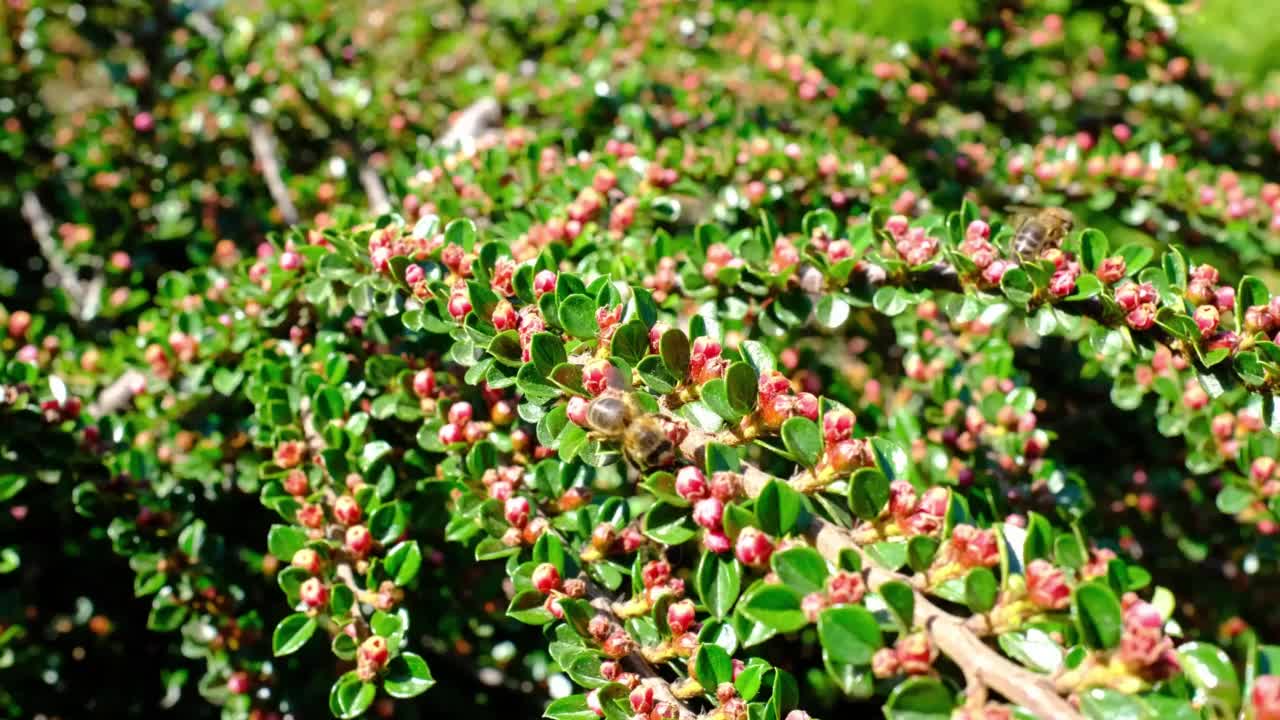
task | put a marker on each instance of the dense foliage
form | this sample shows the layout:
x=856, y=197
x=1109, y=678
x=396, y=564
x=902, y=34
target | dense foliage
x=652, y=359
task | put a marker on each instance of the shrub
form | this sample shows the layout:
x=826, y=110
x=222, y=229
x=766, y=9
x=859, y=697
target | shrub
x=718, y=379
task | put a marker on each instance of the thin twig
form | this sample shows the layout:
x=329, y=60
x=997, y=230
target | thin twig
x=263, y=141
x=649, y=676
x=83, y=296
x=118, y=394
x=472, y=123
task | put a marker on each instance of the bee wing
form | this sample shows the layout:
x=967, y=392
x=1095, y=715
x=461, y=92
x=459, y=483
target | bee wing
x=1019, y=214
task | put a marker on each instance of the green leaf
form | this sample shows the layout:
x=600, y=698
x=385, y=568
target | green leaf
x=1234, y=498
x=757, y=356
x=980, y=590
x=832, y=311
x=890, y=458
x=669, y=524
x=921, y=550
x=889, y=555
x=774, y=606
x=292, y=633
x=920, y=698
x=1252, y=291
x=1017, y=286
x=349, y=697
x=1033, y=648
x=868, y=493
x=387, y=523
x=546, y=351
x=11, y=485
x=1210, y=671
x=1093, y=248
x=778, y=508
x=891, y=301
x=403, y=561
x=901, y=600
x=1108, y=704
x=285, y=540
x=630, y=342
x=849, y=634
x=712, y=666
x=1135, y=257
x=801, y=568
x=718, y=581
x=1039, y=539
x=407, y=676
x=741, y=387
x=166, y=616
x=802, y=439
x=673, y=346
x=1098, y=614
x=577, y=315
x=529, y=607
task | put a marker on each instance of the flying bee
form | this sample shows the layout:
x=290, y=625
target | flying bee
x=616, y=416
x=1038, y=229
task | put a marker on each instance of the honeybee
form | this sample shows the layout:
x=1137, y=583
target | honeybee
x=616, y=416
x=1038, y=229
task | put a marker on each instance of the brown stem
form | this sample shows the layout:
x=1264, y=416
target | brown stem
x=118, y=394
x=637, y=663
x=263, y=141
x=82, y=295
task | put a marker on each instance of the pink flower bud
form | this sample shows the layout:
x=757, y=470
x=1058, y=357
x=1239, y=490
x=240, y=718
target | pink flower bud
x=642, y=700
x=978, y=230
x=544, y=282
x=691, y=484
x=655, y=572
x=1047, y=585
x=806, y=406
x=935, y=501
x=897, y=225
x=504, y=316
x=358, y=540
x=812, y=606
x=597, y=376
x=681, y=616
x=460, y=413
x=1206, y=317
x=884, y=663
x=902, y=499
x=450, y=434
x=516, y=511
x=424, y=383
x=1062, y=283
x=709, y=513
x=546, y=578
x=577, y=410
x=837, y=425
x=846, y=588
x=459, y=306
x=716, y=541
x=346, y=510
x=915, y=653
x=753, y=548
x=1111, y=269
x=1141, y=317
x=1225, y=298
x=1266, y=698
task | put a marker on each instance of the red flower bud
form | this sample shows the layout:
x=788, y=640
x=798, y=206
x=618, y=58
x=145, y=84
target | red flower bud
x=902, y=499
x=716, y=541
x=837, y=425
x=1111, y=269
x=373, y=652
x=642, y=700
x=884, y=663
x=812, y=606
x=709, y=513
x=691, y=484
x=846, y=588
x=546, y=578
x=915, y=653
x=597, y=376
x=1266, y=698
x=753, y=548
x=346, y=510
x=308, y=560
x=516, y=510
x=424, y=383
x=1062, y=283
x=1047, y=585
x=655, y=572
x=681, y=616
x=314, y=593
x=358, y=540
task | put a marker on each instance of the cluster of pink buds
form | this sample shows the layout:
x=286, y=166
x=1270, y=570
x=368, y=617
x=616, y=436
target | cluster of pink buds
x=608, y=319
x=705, y=361
x=785, y=255
x=912, y=243
x=978, y=248
x=623, y=216
x=973, y=547
x=502, y=482
x=1144, y=647
x=1265, y=474
x=390, y=242
x=1047, y=585
x=599, y=375
x=917, y=515
x=843, y=453
x=663, y=280
x=461, y=427
x=843, y=588
x=911, y=655
x=777, y=403
x=1203, y=289
x=1066, y=269
x=658, y=581
x=1138, y=301
x=719, y=256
